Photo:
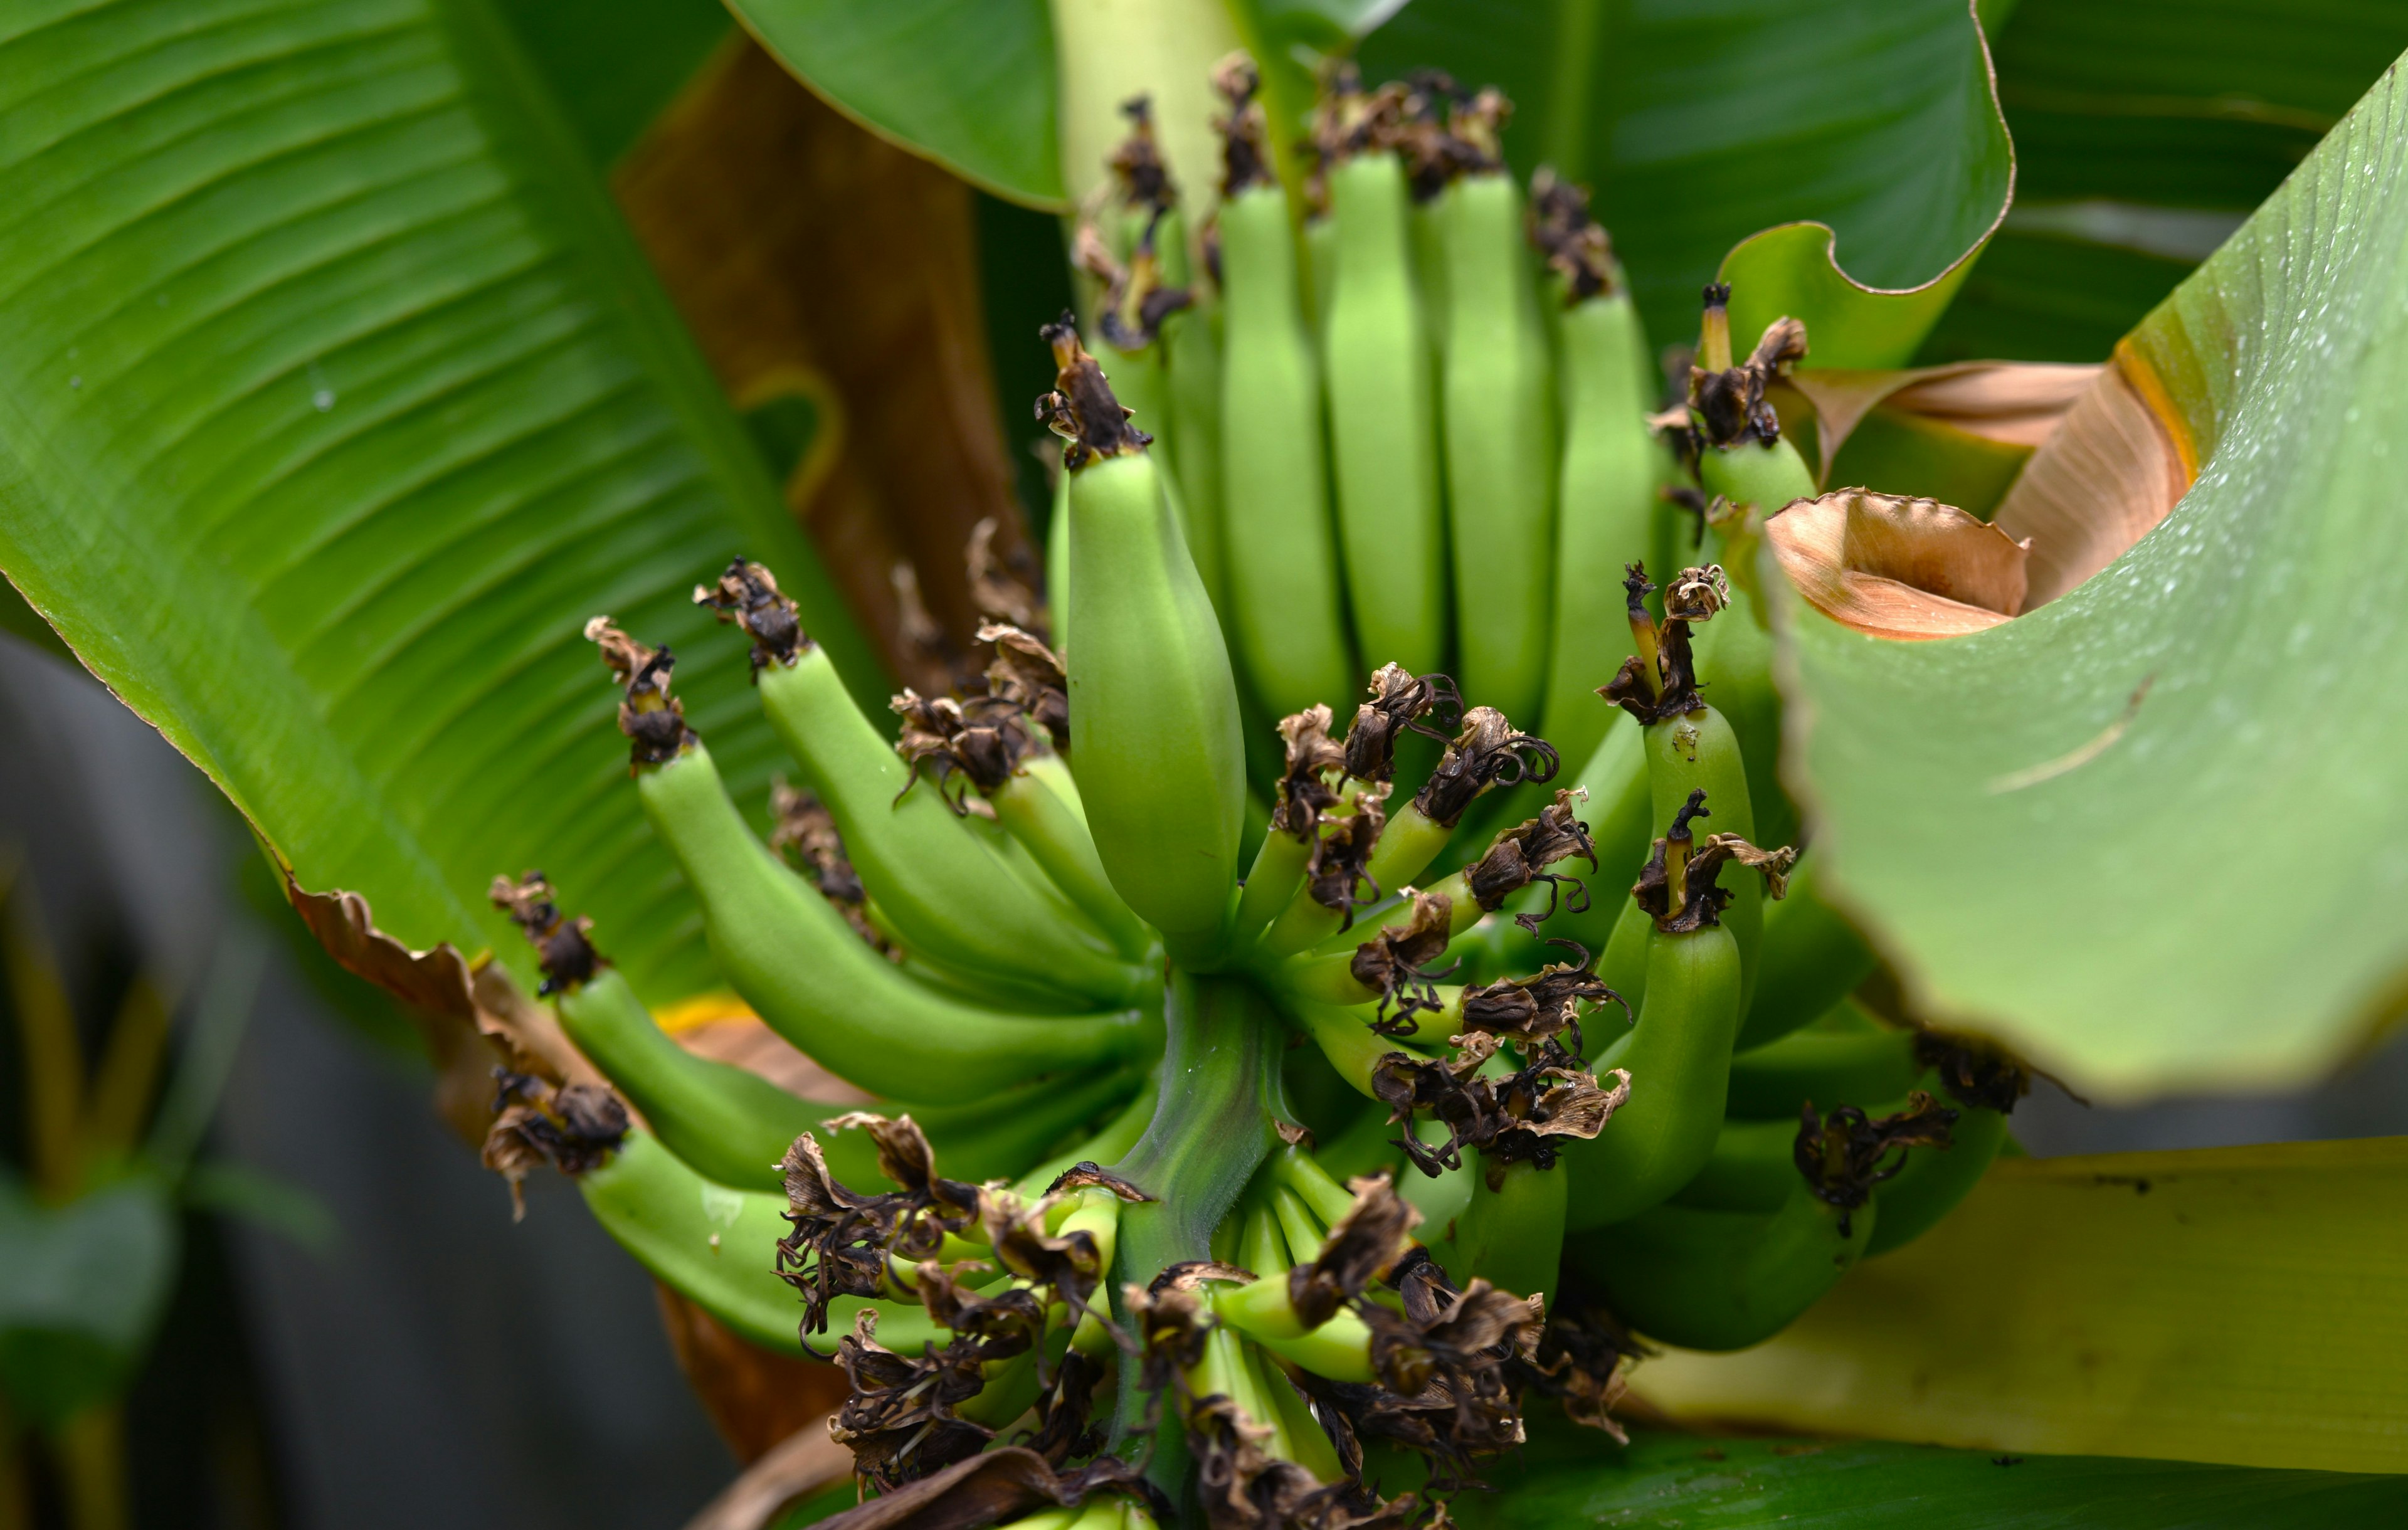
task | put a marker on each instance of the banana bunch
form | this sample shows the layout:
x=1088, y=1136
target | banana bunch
x=1414, y=432
x=1281, y=1173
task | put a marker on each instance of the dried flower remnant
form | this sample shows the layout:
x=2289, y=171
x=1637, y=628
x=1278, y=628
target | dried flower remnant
x=841, y=1239
x=1680, y=888
x=1486, y=752
x=1972, y=1071
x=747, y=594
x=564, y=947
x=1395, y=963
x=1245, y=142
x=1660, y=682
x=1517, y=1118
x=1363, y=1246
x=1080, y=409
x=1428, y=704
x=1001, y=591
x=1029, y=675
x=1728, y=400
x=1574, y=243
x=899, y=1418
x=653, y=720
x=1338, y=876
x=1304, y=789
x=573, y=1127
x=980, y=740
x=1519, y=858
x=1843, y=1155
x=1529, y=1010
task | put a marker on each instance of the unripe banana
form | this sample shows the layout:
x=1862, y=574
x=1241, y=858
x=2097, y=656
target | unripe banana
x=1606, y=496
x=1770, y=1083
x=1191, y=352
x=1160, y=763
x=1382, y=418
x=1935, y=1179
x=813, y=981
x=946, y=894
x=1811, y=958
x=1500, y=441
x=1284, y=588
x=1678, y=1056
x=1723, y=1280
x=717, y=1247
x=1513, y=1233
x=1051, y=824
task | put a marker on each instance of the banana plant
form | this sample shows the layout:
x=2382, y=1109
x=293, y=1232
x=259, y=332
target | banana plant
x=1225, y=1137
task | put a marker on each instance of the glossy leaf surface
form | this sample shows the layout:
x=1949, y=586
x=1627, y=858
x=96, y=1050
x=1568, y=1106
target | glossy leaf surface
x=1722, y=1484
x=332, y=399
x=1703, y=124
x=2235, y=1305
x=968, y=83
x=2151, y=833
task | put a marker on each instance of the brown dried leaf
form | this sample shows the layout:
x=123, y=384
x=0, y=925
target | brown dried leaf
x=2016, y=403
x=755, y=1399
x=807, y=255
x=802, y=1463
x=2118, y=466
x=1898, y=568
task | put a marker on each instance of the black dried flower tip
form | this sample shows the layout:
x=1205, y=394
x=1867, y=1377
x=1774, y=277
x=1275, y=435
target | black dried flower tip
x=981, y=741
x=1487, y=752
x=1081, y=408
x=747, y=594
x=1519, y=856
x=1337, y=875
x=653, y=720
x=1304, y=789
x=1449, y=1368
x=1575, y=244
x=1680, y=888
x=1002, y=582
x=1135, y=302
x=1974, y=1072
x=1428, y=704
x=573, y=1127
x=563, y=946
x=1516, y=1119
x=1579, y=1357
x=1542, y=1007
x=841, y=1239
x=1660, y=680
x=899, y=1418
x=1030, y=676
x=1245, y=141
x=1395, y=963
x=804, y=831
x=1363, y=1246
x=1728, y=400
x=1138, y=165
x=1843, y=1155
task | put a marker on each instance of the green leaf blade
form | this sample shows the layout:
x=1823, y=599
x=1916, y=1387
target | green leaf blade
x=332, y=399
x=2198, y=889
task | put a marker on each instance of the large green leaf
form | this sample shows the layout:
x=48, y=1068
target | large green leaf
x=2139, y=106
x=968, y=83
x=1701, y=124
x=1805, y=1484
x=2153, y=833
x=2232, y=1305
x=333, y=398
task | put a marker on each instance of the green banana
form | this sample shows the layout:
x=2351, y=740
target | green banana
x=1274, y=480
x=1382, y=421
x=1039, y=806
x=1511, y=1233
x=1057, y=561
x=1935, y=1179
x=717, y=1247
x=1723, y=1280
x=1678, y=1056
x=1161, y=769
x=1769, y=1083
x=949, y=895
x=1753, y=1167
x=1191, y=353
x=1498, y=412
x=1606, y=495
x=813, y=981
x=1810, y=959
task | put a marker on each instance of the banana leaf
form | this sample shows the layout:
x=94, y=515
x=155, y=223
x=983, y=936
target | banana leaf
x=333, y=398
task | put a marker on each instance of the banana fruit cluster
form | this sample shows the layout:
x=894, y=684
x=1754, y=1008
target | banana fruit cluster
x=1284, y=1171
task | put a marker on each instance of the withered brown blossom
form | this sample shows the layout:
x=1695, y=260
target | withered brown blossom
x=1304, y=791
x=1001, y=589
x=981, y=741
x=1245, y=130
x=1660, y=680
x=1337, y=875
x=564, y=948
x=573, y=1127
x=1679, y=887
x=1519, y=1117
x=1974, y=1072
x=1730, y=404
x=1521, y=855
x=1579, y=1357
x=1027, y=674
x=653, y=720
x=841, y=1239
x=1486, y=752
x=1428, y=704
x=1574, y=244
x=899, y=1418
x=1080, y=409
x=1396, y=963
x=1363, y=1246
x=748, y=595
x=1542, y=1006
x=1843, y=1155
